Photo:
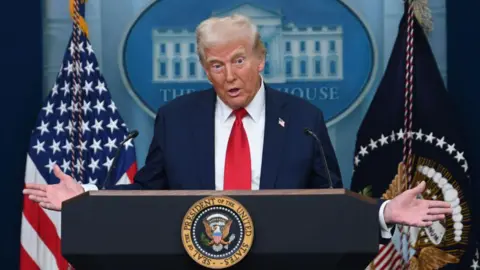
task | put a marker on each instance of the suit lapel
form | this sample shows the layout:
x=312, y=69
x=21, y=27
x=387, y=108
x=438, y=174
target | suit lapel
x=274, y=138
x=204, y=140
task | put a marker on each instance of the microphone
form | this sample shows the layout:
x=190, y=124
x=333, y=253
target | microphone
x=131, y=135
x=319, y=143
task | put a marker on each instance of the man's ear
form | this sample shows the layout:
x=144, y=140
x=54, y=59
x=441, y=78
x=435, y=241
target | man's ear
x=261, y=63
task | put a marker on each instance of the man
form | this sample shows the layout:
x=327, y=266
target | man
x=241, y=134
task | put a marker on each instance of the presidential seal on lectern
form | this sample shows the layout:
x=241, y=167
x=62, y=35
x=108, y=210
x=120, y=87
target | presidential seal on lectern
x=217, y=232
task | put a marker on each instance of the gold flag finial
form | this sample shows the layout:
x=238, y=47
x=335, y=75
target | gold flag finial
x=77, y=18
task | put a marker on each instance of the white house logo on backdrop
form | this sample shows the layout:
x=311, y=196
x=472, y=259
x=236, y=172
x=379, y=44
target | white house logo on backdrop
x=319, y=50
x=294, y=54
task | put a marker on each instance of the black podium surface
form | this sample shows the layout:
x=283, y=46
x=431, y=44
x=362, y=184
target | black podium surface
x=293, y=229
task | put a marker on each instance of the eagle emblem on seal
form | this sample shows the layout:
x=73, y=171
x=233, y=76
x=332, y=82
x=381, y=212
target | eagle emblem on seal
x=217, y=229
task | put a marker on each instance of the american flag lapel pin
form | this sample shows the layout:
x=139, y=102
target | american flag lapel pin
x=281, y=122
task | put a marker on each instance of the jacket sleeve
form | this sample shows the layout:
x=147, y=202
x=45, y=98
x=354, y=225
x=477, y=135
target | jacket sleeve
x=152, y=175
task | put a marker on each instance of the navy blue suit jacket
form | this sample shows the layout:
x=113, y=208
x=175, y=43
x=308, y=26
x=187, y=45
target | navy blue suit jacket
x=181, y=154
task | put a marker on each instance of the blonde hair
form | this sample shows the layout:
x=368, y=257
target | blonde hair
x=221, y=30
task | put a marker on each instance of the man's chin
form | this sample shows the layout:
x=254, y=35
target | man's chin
x=237, y=102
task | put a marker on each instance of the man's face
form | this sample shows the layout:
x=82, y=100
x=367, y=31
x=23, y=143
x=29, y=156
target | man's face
x=234, y=69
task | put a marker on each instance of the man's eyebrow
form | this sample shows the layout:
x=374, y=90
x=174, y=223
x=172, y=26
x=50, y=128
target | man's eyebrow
x=242, y=53
x=213, y=60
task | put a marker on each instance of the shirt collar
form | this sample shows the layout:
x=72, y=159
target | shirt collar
x=254, y=109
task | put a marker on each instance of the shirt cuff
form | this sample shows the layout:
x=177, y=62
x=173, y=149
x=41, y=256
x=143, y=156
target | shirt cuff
x=385, y=230
x=89, y=187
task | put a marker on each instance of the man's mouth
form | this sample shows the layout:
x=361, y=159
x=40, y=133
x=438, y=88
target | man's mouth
x=233, y=92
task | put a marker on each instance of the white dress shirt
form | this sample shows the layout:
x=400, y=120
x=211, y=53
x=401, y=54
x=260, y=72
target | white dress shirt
x=254, y=124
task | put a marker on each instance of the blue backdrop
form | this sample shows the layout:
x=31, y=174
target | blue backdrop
x=109, y=28
x=463, y=82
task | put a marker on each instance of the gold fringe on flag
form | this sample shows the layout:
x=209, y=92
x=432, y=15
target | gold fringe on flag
x=423, y=14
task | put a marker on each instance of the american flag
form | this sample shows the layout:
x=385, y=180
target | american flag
x=78, y=128
x=388, y=257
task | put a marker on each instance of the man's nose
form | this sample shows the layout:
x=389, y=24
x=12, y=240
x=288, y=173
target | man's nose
x=230, y=75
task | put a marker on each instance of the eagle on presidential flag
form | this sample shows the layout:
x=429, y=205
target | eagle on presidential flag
x=409, y=135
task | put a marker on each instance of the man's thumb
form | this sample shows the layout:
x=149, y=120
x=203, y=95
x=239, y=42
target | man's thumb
x=419, y=188
x=58, y=173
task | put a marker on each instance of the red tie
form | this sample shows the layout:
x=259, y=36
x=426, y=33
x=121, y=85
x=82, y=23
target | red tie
x=238, y=169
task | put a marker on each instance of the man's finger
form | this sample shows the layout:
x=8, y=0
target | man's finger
x=434, y=217
x=38, y=199
x=438, y=204
x=36, y=186
x=437, y=211
x=35, y=192
x=425, y=224
x=49, y=206
x=34, y=198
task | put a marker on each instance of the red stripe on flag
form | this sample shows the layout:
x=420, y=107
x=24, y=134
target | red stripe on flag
x=389, y=261
x=26, y=262
x=398, y=262
x=132, y=171
x=387, y=253
x=45, y=229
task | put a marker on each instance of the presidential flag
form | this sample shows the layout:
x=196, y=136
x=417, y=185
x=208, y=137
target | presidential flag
x=411, y=134
x=79, y=129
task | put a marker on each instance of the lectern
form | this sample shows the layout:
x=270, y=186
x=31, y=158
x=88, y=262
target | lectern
x=264, y=229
